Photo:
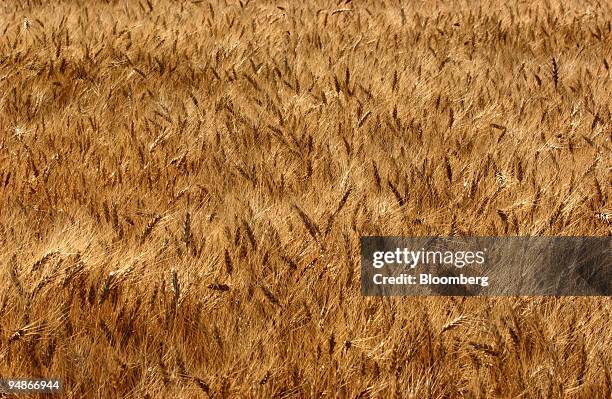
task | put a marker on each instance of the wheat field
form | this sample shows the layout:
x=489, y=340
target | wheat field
x=184, y=185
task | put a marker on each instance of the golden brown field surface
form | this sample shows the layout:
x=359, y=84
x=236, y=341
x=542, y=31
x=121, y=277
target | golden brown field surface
x=183, y=185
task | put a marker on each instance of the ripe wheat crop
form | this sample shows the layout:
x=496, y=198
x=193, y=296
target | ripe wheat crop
x=183, y=186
